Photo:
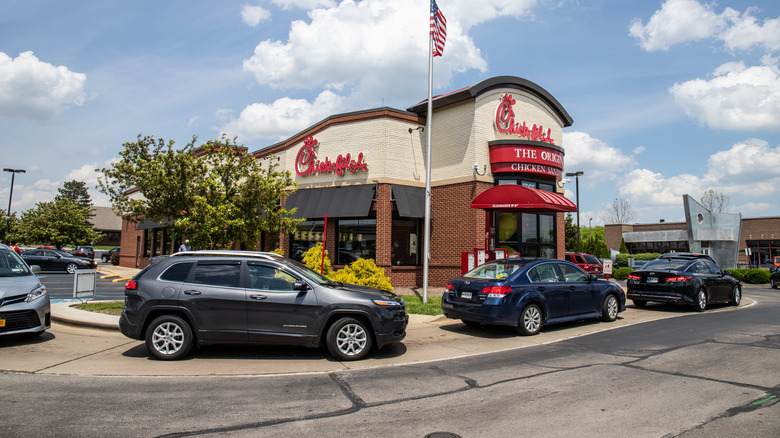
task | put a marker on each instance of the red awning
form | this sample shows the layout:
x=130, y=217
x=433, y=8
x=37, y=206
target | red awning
x=516, y=197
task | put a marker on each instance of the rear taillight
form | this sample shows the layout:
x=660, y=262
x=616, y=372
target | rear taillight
x=496, y=291
x=680, y=279
x=633, y=277
x=131, y=285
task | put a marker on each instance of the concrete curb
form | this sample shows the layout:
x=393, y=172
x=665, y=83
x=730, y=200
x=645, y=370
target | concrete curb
x=66, y=313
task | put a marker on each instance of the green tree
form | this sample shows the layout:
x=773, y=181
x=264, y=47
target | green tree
x=570, y=234
x=61, y=222
x=215, y=194
x=76, y=191
x=623, y=247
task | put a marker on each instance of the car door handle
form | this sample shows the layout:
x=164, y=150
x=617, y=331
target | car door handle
x=191, y=292
x=541, y=288
x=258, y=297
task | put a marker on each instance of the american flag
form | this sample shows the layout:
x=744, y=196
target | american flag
x=438, y=29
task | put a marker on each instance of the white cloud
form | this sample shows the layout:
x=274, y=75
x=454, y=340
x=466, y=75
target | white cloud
x=747, y=170
x=599, y=161
x=677, y=21
x=303, y=4
x=750, y=163
x=745, y=32
x=736, y=97
x=36, y=90
x=638, y=150
x=253, y=15
x=281, y=118
x=372, y=45
x=681, y=21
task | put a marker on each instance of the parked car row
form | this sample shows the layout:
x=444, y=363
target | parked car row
x=57, y=260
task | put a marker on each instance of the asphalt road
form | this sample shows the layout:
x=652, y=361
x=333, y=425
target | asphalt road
x=60, y=287
x=689, y=375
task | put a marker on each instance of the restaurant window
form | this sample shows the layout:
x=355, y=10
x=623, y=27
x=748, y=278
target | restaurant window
x=406, y=242
x=529, y=234
x=356, y=239
x=306, y=235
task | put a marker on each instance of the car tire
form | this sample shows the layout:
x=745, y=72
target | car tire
x=470, y=323
x=736, y=296
x=530, y=320
x=610, y=309
x=639, y=303
x=700, y=302
x=169, y=337
x=773, y=283
x=349, y=339
x=71, y=268
x=104, y=258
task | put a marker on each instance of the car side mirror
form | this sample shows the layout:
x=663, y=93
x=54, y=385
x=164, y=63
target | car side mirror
x=301, y=286
x=35, y=269
x=592, y=278
x=726, y=272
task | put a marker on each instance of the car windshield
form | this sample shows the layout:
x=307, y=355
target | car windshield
x=592, y=259
x=11, y=265
x=313, y=275
x=667, y=264
x=494, y=271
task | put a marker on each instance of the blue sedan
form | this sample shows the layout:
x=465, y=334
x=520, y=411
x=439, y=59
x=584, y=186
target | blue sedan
x=527, y=293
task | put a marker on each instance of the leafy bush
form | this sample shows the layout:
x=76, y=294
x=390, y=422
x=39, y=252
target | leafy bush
x=621, y=273
x=757, y=276
x=279, y=251
x=622, y=259
x=313, y=259
x=115, y=259
x=364, y=272
x=739, y=274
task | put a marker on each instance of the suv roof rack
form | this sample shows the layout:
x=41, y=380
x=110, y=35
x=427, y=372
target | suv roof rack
x=230, y=253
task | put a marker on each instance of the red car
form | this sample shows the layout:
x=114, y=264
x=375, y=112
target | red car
x=590, y=263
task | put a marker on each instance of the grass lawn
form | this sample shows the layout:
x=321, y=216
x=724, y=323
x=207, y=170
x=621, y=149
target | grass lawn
x=414, y=305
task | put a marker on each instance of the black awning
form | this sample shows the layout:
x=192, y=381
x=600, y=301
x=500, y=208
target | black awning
x=347, y=201
x=149, y=224
x=409, y=200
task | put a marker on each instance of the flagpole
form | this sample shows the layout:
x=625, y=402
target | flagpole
x=427, y=252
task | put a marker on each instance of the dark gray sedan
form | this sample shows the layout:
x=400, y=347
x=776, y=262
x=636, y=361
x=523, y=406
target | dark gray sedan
x=56, y=260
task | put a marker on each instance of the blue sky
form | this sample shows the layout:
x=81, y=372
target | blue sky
x=668, y=97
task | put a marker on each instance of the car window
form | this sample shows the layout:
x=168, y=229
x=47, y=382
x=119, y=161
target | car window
x=218, y=274
x=269, y=278
x=592, y=260
x=666, y=264
x=49, y=253
x=699, y=268
x=573, y=274
x=11, y=265
x=544, y=273
x=177, y=272
x=714, y=269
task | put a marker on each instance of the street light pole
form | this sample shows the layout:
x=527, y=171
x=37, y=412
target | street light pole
x=10, y=197
x=576, y=176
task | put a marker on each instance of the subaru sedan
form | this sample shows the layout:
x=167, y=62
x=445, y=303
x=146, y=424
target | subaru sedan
x=528, y=293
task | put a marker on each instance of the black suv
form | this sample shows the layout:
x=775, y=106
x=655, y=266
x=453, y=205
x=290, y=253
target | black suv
x=208, y=297
x=683, y=278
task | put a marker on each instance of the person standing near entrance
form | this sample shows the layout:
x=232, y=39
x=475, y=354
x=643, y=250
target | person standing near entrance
x=185, y=246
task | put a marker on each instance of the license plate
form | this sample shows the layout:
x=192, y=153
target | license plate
x=2, y=323
x=652, y=279
x=465, y=295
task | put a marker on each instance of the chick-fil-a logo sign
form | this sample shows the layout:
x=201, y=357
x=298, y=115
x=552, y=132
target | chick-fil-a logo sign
x=306, y=162
x=506, y=124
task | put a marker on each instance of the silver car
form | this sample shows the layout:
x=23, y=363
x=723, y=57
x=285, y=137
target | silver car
x=24, y=303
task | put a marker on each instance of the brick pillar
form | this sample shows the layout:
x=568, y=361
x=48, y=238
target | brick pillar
x=384, y=224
